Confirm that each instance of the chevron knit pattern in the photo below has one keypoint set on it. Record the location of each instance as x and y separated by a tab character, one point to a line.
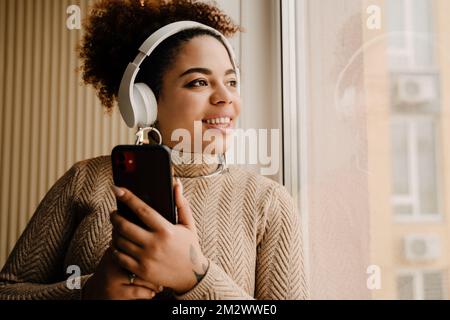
247	226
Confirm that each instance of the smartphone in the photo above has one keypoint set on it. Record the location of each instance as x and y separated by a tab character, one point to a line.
145	170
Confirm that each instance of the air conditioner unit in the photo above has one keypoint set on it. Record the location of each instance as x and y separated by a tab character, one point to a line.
415	89
421	247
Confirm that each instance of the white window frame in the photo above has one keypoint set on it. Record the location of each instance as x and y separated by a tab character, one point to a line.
413	197
295	94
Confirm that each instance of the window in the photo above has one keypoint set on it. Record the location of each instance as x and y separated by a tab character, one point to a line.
414	164
366	139
410	27
415	104
421	285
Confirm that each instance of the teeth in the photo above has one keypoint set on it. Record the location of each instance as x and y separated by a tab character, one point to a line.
218	121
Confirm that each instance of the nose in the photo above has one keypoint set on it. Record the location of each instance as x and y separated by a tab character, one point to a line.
221	95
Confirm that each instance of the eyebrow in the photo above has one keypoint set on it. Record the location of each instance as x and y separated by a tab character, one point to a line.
204	71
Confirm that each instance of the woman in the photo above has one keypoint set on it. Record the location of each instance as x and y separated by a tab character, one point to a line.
238	235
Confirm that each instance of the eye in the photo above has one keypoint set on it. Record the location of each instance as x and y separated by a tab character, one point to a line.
197	83
232	83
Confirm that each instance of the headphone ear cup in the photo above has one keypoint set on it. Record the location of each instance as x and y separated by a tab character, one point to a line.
146	105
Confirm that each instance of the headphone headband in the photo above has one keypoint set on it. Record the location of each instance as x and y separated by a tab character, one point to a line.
137	103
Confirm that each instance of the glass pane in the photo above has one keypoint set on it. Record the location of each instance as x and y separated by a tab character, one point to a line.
405	287
426	148
410	33
400	159
396	23
433	286
422	13
404	209
373	141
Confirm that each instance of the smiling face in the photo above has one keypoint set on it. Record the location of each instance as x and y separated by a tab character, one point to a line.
201	86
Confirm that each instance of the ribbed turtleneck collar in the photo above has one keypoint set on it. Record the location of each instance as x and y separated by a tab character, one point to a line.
191	164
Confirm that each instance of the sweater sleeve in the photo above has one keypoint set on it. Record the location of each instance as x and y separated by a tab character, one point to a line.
279	270
34	269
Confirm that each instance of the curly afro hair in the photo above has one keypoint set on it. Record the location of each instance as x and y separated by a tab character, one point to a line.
115	29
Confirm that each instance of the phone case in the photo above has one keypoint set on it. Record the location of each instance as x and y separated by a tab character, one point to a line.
145	170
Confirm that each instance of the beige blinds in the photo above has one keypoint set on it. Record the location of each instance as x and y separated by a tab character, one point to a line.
48	119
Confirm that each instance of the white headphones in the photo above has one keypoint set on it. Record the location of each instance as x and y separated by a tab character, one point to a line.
137	102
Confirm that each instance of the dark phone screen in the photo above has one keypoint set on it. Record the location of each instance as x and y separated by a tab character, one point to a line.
146	171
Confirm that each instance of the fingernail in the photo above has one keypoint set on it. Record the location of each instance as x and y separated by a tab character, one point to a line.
117	191
160	288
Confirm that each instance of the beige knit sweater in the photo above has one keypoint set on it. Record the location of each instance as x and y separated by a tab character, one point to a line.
247	226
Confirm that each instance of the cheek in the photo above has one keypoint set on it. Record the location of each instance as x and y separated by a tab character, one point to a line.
238	105
182	110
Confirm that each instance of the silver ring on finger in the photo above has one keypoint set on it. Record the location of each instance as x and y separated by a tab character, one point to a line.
131	278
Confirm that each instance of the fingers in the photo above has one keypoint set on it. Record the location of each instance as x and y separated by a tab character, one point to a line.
126	262
126	246
135	292
128	230
148	215
128	267
184	210
151	286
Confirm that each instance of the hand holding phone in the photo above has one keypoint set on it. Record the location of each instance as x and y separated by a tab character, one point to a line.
167	254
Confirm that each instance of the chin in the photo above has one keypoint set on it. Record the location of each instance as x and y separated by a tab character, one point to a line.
215	148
